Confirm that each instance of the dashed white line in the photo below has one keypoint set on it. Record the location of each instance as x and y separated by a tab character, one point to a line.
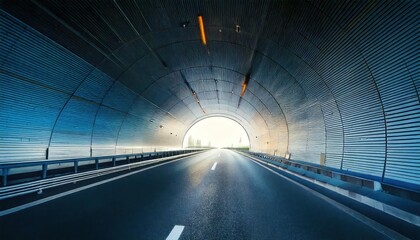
176	232
214	166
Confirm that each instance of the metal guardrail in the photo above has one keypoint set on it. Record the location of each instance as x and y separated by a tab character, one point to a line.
357	180
44	164
319	170
42	184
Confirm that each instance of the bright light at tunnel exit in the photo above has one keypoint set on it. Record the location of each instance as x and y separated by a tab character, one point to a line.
218	132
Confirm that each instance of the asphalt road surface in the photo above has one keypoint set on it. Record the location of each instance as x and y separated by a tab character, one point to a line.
217	194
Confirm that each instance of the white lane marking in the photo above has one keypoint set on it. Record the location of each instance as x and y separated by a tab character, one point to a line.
176	232
214	166
390	233
47	199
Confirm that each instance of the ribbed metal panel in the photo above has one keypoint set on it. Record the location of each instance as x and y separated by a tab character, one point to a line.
26	118
94	86
33	89
72	132
44	62
387	46
187	53
141	74
179	112
306	81
120	98
334	134
131	52
158	94
36	84
105	131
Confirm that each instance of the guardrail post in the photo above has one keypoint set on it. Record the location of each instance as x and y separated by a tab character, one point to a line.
44	171
5	173
96	164
76	163
113	161
128	159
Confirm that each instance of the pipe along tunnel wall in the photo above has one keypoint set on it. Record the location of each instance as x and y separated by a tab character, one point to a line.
335	79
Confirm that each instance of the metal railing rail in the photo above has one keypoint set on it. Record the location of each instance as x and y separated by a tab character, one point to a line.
44	164
337	174
40	185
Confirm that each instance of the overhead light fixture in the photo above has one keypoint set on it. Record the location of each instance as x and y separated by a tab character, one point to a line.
238	28
202	32
245	85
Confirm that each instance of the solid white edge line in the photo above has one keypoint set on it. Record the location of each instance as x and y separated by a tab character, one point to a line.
176	232
50	198
391	234
214	166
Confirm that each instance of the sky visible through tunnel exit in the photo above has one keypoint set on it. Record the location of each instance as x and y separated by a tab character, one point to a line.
216	132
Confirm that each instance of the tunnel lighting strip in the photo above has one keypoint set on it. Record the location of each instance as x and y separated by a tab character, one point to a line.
245	85
202	32
243	89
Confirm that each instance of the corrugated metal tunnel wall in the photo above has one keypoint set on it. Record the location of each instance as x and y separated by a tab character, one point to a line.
83	78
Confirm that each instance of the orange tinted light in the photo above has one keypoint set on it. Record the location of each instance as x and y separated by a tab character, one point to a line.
202	33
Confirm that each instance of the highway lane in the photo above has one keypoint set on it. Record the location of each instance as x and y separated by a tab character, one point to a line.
218	194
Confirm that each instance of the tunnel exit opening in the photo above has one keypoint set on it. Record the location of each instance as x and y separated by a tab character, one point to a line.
217	132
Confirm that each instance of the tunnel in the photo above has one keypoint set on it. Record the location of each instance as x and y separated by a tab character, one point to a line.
328	85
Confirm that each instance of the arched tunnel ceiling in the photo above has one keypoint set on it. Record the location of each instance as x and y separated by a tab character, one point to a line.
339	78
